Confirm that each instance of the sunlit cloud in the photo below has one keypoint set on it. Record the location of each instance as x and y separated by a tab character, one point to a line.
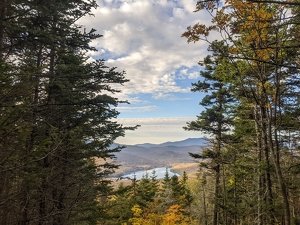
167	96
156	130
137	109
144	38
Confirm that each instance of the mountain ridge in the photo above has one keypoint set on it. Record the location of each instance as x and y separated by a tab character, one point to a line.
182	143
148	156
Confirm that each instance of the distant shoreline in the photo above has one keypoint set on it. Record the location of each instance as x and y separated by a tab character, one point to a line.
159	173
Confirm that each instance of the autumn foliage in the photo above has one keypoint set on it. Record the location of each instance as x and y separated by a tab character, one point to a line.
257	56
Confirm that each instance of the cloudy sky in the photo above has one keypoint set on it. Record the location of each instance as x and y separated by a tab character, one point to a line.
143	37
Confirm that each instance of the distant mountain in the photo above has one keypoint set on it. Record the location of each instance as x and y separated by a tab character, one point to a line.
149	155
187	142
146	145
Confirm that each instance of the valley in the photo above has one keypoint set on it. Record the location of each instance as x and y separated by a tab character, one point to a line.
174	155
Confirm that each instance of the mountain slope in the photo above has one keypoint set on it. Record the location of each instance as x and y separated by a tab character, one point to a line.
134	157
187	142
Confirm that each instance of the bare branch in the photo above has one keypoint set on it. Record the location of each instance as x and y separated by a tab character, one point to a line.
276	2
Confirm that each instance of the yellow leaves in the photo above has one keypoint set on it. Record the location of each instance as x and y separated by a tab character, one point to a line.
174	216
267	85
144	217
263	54
239	5
208	5
137	212
222	19
152	219
264	15
233	49
231	180
253	22
257	22
251	105
252	11
268	105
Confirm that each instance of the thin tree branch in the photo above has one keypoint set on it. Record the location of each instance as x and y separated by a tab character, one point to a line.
276	2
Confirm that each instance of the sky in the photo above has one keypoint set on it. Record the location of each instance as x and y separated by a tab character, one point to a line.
143	38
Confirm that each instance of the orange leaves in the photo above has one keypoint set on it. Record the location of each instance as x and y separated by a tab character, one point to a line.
137	218
255	23
210	5
137	211
173	216
200	31
257	19
246	24
222	19
195	33
144	217
239	6
248	27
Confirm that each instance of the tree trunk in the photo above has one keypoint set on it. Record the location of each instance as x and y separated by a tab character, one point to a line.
260	179
216	200
218	175
276	159
2	18
271	219
204	205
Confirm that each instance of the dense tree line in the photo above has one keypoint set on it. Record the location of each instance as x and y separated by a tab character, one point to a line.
152	201
251	110
56	115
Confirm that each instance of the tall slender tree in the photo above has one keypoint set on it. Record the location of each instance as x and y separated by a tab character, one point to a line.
214	120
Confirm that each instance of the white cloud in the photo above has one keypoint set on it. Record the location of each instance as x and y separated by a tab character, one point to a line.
156	130
161	95
193	75
137	109
168	80
167	96
144	38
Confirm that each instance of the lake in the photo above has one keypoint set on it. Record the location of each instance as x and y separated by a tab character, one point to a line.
159	172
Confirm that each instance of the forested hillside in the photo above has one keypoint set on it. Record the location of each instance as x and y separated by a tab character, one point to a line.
58	124
170	154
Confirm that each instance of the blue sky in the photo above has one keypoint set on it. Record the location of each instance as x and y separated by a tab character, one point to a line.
143	37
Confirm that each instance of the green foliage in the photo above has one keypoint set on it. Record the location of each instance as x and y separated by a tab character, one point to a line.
257	67
57	115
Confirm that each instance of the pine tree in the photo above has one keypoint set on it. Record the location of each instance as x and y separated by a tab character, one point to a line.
214	120
60	122
186	198
262	49
146	190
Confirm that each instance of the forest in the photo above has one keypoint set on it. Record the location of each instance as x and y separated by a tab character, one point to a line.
58	121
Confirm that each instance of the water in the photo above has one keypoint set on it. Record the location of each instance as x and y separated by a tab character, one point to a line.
159	173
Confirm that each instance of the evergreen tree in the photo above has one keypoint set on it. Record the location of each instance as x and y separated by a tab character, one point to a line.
186	198
118	209
214	120
146	190
174	191
262	50
58	116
